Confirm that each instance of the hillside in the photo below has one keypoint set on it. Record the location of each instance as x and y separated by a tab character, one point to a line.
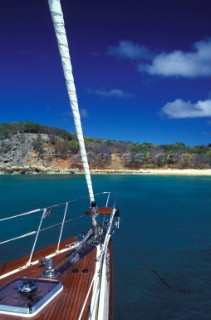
28	147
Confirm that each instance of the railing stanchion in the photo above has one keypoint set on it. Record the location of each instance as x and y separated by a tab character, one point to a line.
62	226
108	199
37	234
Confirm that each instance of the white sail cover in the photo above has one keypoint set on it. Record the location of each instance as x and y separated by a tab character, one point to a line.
58	21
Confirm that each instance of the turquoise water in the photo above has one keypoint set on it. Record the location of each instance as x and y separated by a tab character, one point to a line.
167	218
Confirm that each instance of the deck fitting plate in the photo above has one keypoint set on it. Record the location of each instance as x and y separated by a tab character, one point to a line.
27	304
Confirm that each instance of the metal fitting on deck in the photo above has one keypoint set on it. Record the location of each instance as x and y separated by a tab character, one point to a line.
50	269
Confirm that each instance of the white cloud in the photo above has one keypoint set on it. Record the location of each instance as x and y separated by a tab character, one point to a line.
129	50
177	63
84	113
113	93
182	64
180	109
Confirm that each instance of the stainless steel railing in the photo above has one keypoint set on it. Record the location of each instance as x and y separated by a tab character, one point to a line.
45	212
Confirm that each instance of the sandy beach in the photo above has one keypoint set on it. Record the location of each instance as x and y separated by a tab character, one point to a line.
179	172
185	172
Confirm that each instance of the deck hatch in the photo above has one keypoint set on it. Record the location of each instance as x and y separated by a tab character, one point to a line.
27	304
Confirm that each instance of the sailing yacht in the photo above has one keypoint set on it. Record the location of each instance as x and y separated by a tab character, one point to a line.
71	278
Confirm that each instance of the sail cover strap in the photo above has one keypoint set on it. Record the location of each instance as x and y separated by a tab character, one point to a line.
58	21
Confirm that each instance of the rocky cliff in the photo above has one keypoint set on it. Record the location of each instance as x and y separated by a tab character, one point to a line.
28	147
43	153
30	153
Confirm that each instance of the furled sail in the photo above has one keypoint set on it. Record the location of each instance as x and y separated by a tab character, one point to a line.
58	21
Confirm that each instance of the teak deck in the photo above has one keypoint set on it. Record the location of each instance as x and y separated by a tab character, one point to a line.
68	304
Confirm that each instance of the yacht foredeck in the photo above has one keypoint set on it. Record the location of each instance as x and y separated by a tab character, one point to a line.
77	281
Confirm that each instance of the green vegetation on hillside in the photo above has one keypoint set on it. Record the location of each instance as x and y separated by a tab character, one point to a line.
9	129
133	155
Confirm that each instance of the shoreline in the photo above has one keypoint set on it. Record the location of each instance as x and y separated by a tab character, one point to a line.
167	172
182	172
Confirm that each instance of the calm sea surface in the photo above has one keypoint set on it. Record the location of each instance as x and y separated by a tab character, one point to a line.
167	218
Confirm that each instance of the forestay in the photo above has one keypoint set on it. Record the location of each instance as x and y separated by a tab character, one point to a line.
58	21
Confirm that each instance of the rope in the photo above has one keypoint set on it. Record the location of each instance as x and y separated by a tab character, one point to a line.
58	22
149	266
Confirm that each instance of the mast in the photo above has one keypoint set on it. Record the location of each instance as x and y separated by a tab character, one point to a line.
58	21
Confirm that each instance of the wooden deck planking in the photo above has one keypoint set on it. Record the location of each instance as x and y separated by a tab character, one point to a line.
101	210
82	283
11	265
67	305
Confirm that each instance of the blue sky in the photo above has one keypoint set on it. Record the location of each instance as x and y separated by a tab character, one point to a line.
142	68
